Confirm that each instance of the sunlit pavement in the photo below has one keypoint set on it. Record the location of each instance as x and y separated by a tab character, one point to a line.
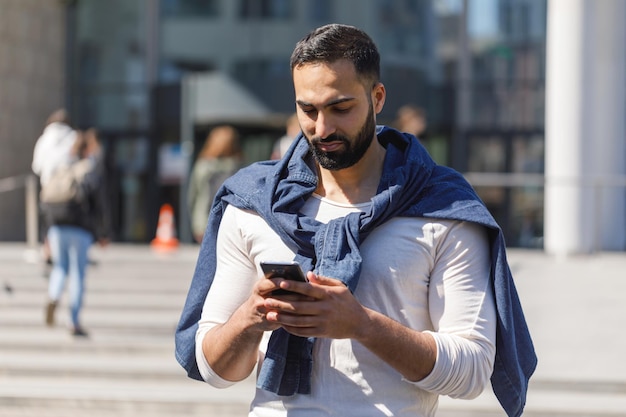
574	307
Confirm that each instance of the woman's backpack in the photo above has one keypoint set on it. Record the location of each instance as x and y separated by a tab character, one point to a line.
66	194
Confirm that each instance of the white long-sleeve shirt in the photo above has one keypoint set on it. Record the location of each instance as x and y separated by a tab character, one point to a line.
428	275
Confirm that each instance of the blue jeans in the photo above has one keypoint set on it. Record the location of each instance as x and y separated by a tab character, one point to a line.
69	246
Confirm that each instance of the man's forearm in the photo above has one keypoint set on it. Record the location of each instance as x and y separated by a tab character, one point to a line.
231	349
410	352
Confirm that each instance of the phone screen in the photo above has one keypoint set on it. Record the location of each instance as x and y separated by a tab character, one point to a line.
286	270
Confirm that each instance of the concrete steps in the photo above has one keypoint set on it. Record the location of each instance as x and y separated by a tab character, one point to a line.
127	366
134	298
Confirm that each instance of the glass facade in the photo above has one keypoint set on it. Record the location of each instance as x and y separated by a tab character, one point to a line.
266	9
476	67
189	8
505	109
109	86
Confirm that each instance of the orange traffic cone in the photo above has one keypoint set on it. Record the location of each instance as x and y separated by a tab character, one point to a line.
165	239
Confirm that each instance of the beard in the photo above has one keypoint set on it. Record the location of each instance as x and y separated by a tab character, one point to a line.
352	150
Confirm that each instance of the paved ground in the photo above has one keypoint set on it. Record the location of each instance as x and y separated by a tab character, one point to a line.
575	308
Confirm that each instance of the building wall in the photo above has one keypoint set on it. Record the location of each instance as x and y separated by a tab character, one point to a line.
120	52
32	39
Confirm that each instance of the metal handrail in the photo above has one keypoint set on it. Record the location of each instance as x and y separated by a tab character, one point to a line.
502	179
30	183
515	179
600	185
12	183
477	179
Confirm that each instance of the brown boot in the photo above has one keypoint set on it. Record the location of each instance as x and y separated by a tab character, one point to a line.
50	308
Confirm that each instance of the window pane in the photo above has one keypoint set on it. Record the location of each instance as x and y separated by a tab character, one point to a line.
265	9
188	8
319	10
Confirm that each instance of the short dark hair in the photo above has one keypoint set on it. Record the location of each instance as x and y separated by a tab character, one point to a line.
333	42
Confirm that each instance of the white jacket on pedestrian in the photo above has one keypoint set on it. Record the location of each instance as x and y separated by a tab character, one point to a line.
53	149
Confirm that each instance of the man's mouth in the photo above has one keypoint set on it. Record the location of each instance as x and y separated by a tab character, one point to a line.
329	146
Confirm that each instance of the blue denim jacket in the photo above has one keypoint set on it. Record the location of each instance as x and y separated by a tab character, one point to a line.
411	185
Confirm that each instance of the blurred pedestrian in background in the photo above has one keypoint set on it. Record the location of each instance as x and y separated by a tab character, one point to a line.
52	150
411	119
292	129
218	159
95	151
75	205
53	147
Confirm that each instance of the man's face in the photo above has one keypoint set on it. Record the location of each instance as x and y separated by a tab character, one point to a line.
351	149
336	113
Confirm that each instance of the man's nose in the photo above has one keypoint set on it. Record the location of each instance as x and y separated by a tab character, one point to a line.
324	126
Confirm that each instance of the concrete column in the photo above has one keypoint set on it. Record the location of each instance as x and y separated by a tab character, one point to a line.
609	121
585	134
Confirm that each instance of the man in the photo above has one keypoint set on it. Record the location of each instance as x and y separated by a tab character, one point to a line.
411	119
409	296
292	130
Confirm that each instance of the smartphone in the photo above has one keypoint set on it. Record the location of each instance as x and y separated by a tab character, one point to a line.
287	270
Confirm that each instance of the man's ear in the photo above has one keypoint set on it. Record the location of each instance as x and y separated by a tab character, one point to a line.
378	97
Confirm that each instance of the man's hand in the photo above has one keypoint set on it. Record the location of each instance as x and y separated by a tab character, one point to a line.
323	307
251	315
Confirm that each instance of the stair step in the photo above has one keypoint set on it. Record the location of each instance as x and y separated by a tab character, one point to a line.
120	397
